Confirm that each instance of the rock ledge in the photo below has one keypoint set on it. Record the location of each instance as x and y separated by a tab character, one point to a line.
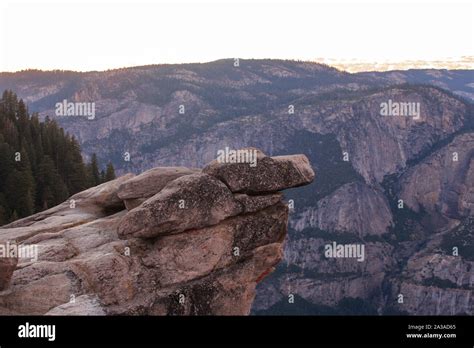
171	241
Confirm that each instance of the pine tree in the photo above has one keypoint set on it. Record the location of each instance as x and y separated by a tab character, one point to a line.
52	189
50	169
110	172
4	213
77	174
20	185
94	174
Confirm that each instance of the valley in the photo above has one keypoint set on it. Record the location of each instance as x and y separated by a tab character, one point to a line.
365	163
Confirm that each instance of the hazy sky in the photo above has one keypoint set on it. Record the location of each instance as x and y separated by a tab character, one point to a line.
101	34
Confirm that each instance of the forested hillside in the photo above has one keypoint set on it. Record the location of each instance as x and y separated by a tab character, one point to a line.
40	164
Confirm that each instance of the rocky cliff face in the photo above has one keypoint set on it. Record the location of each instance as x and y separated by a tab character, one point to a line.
444	182
171	241
366	164
417	230
359	209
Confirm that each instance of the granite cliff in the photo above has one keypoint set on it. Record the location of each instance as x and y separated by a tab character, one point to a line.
181	115
170	241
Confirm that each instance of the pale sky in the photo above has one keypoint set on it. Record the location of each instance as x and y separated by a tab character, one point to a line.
103	34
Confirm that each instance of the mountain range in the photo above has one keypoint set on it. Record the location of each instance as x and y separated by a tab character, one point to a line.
399	185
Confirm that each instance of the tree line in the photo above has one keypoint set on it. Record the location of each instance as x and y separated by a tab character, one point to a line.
41	165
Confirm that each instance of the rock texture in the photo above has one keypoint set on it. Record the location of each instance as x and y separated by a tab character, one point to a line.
435	284
335	114
270	173
137	190
354	208
419	257
7	266
444	182
193	247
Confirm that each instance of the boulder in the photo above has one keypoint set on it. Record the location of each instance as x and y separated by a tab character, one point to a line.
83	305
191	248
251	204
270	174
197	253
191	201
136	190
7	266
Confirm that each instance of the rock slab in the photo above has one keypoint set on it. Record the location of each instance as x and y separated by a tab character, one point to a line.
194	243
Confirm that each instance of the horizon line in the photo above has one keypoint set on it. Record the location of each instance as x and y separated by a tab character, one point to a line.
343	65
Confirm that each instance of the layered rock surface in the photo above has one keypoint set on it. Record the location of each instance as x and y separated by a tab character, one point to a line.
172	241
444	182
419	258
354	207
248	106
